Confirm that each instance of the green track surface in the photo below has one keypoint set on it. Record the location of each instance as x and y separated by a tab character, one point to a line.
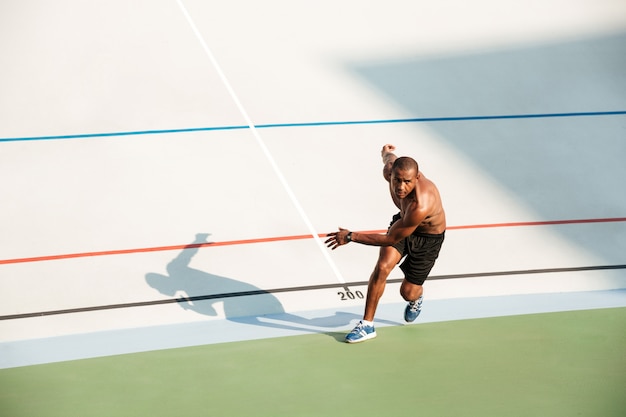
558	364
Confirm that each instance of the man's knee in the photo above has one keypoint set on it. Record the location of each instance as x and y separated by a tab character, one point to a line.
384	267
387	260
410	291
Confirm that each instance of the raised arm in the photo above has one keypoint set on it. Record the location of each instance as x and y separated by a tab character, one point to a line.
388	159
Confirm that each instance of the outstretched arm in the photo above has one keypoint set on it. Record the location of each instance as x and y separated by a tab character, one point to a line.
399	230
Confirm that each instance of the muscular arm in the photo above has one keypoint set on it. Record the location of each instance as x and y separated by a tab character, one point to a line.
400	229
388	159
397	232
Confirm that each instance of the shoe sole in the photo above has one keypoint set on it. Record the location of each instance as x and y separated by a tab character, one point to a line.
363	339
411	321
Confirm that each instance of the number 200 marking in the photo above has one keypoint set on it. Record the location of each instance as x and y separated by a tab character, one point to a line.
349	295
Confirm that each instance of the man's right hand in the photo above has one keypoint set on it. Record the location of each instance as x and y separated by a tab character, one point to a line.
388	155
387	149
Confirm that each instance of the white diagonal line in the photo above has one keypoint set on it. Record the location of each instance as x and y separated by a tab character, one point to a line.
259	140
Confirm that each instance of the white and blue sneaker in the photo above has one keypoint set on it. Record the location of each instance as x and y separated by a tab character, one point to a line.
413	309
361	333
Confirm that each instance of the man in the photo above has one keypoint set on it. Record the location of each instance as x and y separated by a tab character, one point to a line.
416	232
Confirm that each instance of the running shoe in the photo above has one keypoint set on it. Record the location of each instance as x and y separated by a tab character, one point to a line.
361	333
413	309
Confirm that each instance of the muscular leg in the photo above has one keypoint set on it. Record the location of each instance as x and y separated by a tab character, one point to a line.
388	258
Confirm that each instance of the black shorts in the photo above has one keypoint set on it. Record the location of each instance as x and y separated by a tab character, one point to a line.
421	251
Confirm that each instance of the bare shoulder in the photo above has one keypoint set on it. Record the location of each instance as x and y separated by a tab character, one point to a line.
427	187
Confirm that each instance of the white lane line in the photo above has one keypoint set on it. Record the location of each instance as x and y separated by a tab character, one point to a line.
264	148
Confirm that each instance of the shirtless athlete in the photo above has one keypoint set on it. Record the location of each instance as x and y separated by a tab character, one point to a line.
416	232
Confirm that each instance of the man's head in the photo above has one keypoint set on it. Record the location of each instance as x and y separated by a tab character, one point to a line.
404	175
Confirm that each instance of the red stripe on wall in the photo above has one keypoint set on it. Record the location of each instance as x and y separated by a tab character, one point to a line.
284	238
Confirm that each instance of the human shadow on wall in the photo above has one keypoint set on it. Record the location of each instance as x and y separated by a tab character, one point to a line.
201	291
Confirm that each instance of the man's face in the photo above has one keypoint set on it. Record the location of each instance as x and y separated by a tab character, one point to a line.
403	182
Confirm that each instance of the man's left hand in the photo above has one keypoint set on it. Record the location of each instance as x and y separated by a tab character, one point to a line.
337	239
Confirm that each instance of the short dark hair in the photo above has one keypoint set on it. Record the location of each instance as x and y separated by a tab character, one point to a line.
405	163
